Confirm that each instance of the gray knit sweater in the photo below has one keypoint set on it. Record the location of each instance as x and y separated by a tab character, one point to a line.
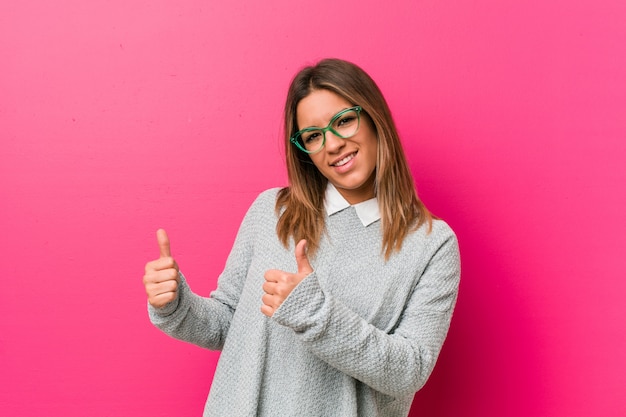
357	337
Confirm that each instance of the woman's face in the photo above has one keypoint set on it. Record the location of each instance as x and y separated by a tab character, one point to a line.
349	164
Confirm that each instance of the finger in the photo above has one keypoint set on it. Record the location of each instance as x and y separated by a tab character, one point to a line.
270	304
158	288
269	287
267	310
273	275
160	294
166	287
162	300
269	300
160	264
304	267
164	244
161	276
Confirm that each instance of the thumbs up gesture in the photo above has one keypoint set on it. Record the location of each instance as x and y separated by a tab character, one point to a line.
161	278
279	284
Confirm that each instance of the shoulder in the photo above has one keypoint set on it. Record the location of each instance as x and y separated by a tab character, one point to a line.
434	237
441	229
444	245
435	249
267	197
264	203
261	213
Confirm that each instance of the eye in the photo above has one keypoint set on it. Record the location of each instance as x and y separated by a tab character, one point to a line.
346	120
311	137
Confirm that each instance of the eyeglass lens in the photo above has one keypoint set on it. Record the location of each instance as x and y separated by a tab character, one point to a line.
344	125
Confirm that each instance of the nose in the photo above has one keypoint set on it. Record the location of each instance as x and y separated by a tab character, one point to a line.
333	143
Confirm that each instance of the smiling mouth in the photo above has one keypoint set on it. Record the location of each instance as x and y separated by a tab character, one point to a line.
345	160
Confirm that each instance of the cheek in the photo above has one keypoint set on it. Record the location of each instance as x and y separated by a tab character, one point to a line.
370	140
372	149
317	160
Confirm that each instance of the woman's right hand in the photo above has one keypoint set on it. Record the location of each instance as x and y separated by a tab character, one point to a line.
161	278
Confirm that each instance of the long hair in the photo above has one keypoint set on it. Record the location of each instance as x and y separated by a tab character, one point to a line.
301	204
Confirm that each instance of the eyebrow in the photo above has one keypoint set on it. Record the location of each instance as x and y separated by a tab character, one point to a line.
329	120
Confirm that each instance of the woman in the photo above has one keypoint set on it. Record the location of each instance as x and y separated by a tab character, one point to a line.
355	280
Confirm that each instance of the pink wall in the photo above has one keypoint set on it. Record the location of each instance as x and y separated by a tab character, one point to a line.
119	117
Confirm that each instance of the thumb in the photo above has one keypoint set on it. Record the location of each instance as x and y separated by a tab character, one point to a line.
304	267
164	244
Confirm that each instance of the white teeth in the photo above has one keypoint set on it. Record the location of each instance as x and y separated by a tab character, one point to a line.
344	160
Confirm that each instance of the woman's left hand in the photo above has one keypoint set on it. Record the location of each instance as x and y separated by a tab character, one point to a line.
279	284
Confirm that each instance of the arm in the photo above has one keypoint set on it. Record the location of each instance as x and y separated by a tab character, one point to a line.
205	321
396	363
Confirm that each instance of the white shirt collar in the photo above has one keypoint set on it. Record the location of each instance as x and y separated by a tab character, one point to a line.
367	210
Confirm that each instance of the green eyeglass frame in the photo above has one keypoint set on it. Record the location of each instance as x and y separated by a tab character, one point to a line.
296	138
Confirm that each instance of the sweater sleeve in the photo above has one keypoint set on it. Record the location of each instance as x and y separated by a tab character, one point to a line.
205	321
397	363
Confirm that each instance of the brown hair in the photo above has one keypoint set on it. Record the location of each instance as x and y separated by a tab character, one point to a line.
301	205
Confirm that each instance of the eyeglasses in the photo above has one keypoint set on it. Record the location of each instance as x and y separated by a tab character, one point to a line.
344	124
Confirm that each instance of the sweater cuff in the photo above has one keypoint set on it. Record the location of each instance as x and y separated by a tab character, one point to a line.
305	310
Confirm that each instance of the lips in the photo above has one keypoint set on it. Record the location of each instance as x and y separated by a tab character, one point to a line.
344	160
